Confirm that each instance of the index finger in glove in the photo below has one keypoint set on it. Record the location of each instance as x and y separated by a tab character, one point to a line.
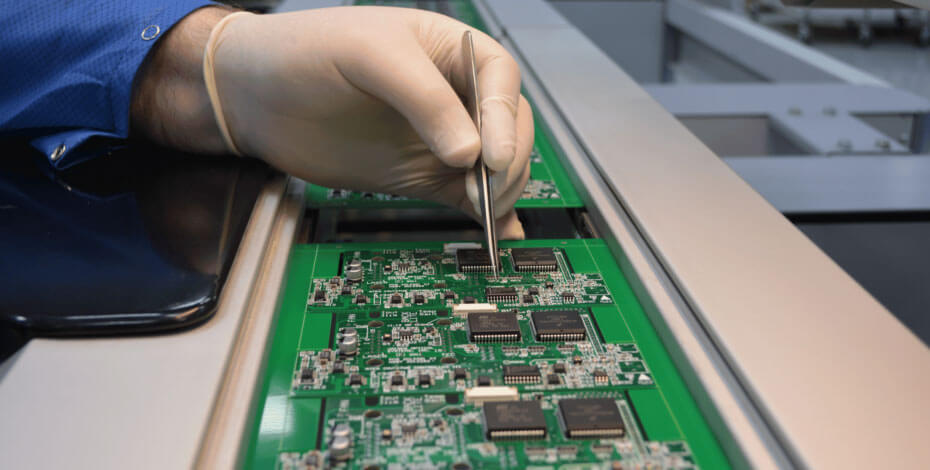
403	75
498	89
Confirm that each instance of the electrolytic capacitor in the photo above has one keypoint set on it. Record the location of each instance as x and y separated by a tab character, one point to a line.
342	430
348	345
348	331
354	271
340	448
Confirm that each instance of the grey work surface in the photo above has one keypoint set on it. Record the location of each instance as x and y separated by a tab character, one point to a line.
891	259
780	309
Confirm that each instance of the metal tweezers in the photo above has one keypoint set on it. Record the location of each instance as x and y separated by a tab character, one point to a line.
482	174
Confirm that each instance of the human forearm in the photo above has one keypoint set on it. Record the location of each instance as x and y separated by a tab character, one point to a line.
170	104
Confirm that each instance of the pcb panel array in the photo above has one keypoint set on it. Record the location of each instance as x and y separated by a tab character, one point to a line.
549	374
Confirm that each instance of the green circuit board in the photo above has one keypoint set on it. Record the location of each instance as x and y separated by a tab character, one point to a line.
413	355
548	185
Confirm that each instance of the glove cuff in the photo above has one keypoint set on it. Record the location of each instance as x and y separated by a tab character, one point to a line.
209	78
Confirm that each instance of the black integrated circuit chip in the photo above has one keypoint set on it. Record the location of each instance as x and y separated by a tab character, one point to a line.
500	294
590	418
473	261
533	259
493	327
514	420
306	375
558	325
521	374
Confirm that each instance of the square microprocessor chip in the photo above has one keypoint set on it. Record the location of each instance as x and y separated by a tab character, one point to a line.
521	374
558	325
590	418
533	259
514	420
493	327
473	261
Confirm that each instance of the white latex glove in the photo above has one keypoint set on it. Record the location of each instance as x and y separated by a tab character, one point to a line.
367	98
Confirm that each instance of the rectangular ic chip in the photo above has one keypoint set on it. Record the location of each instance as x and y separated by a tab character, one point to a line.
493	327
501	294
521	374
558	325
473	261
533	259
591	418
514	420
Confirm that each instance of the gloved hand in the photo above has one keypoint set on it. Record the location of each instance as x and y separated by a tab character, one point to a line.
367	98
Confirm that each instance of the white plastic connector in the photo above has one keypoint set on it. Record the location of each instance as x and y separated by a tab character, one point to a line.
479	395
451	248
462	310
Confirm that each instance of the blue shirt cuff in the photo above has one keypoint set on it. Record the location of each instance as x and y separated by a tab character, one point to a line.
142	31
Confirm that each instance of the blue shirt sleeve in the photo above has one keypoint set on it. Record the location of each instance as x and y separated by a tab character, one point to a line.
69	68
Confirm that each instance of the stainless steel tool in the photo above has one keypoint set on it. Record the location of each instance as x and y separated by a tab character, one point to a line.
482	174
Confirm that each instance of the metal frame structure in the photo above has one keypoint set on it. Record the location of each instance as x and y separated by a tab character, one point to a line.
838	154
767	53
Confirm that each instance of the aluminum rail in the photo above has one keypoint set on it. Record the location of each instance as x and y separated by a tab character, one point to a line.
230	422
822	362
